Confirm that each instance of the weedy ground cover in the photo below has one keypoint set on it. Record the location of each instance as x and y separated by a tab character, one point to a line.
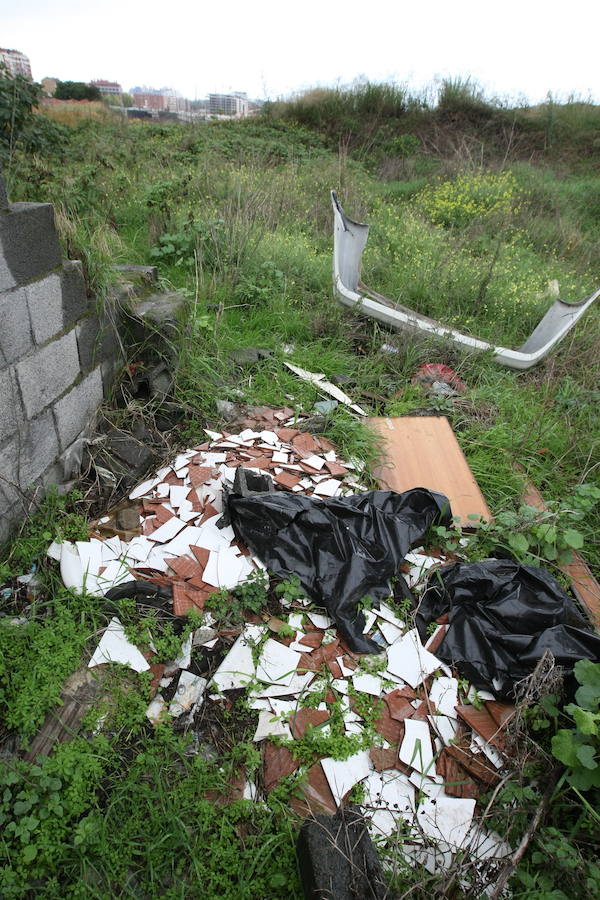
474	208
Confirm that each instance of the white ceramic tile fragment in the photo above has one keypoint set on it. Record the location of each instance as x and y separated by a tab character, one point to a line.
444	694
446	819
184	659
270	726
190	689
319	620
277	663
329	488
167	530
144	488
368	684
445	726
408	659
416	749
54	551
156	709
295	688
342	775
115	647
237	669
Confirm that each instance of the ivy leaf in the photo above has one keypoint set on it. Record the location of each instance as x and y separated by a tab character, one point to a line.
585	755
518	543
563	747
29	853
573	539
586	721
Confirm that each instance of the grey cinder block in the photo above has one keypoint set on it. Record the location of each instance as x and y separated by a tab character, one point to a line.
48	372
75	299
29	244
15	327
39	447
75	409
45	307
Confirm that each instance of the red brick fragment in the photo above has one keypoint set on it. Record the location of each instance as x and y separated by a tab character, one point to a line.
399	707
482	722
390	729
278	762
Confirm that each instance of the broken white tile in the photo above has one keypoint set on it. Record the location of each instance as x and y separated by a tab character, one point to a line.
368	684
390	632
483	844
340	685
370	617
270	726
444	693
408	659
342	775
259	703
156	709
345	670
230	567
385	612
277	663
237	669
163	490
178	494
167	530
183	660
329	488
494	756
330	456
190	689
115	573
321	383
416	749
295	621
445	726
269	437
250	791
319	620
139	548
297	685
144	488
433	636
474	695
446	819
428	786
213	435
54	551
211	570
280	457
115	647
314	462
352	727
90	554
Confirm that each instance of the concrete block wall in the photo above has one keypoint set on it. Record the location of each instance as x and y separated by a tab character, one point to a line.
56	357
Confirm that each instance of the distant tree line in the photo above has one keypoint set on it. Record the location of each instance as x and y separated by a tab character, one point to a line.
76	90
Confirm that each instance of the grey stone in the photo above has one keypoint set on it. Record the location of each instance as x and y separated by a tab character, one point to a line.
97	341
248	355
11	410
10	496
15	326
74	295
39	448
74	411
29	244
45	307
128	519
337	859
47	373
131	451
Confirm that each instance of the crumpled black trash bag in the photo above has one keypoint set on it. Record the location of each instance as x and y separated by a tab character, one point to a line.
503	616
341	549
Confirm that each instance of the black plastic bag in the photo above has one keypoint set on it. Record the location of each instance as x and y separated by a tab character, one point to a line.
502	617
341	549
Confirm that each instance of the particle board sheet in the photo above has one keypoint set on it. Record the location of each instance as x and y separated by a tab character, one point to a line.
422	451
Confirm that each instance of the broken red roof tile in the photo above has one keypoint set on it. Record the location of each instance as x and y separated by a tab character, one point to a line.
173	480
387	758
183	566
457	782
434	644
390	729
444	619
325	444
335	468
150	525
287	480
278	762
399	707
316	795
301	720
482	722
209	512
201	554
482	771
262	462
306	663
501	713
424	709
334	668
185	598
163	514
287	434
312	640
230	792
305	443
157	670
199	475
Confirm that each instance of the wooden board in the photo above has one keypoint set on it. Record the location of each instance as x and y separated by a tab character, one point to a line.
584	585
422	451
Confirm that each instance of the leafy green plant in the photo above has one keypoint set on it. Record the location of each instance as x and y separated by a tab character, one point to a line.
578	747
290	589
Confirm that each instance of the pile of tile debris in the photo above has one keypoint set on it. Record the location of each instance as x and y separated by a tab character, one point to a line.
439	743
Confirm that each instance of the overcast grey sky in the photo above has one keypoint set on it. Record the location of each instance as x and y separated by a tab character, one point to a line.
271	48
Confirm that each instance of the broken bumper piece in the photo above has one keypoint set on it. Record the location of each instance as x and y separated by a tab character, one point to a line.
349	240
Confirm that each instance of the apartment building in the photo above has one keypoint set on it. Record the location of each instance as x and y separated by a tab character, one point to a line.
16	62
235	104
107	87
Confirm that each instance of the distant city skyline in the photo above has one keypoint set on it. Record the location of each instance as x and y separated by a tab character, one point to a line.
516	50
